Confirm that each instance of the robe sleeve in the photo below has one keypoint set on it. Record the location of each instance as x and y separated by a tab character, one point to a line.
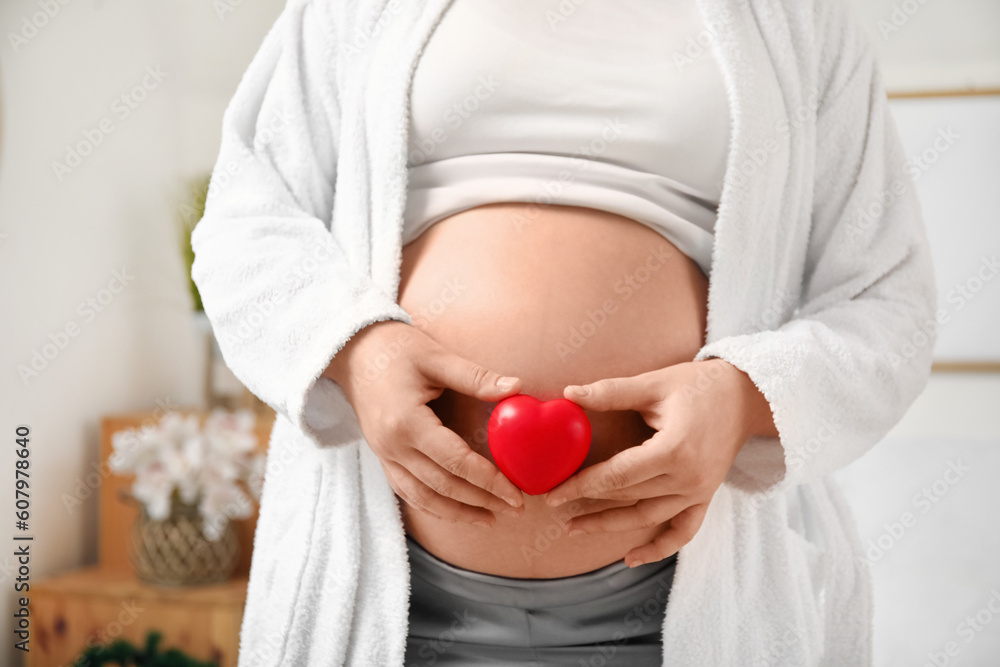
857	352
283	296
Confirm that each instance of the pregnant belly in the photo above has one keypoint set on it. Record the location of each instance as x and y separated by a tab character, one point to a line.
555	295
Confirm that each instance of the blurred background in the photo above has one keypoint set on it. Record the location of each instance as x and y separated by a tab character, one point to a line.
111	114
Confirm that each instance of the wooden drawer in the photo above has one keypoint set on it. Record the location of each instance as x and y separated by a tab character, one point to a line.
97	606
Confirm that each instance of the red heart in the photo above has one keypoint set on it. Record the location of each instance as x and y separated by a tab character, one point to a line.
538	444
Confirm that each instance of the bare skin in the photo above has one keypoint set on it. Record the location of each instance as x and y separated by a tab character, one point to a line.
552	298
506	291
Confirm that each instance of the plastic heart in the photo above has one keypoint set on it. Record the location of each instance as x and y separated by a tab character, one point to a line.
538	444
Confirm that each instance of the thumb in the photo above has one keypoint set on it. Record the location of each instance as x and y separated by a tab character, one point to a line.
469	378
623	393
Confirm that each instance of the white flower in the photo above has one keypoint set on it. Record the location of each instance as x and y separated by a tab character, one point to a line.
153	487
255	477
221	502
205	466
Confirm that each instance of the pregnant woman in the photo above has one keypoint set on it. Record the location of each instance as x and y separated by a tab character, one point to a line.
674	215
605	279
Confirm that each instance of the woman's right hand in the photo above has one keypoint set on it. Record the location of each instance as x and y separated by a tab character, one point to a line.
389	371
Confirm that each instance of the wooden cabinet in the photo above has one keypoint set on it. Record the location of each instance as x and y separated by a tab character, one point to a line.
99	604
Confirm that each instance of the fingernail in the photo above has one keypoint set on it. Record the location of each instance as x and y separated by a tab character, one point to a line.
510	501
635	562
578	390
554	502
481	523
506	383
577	531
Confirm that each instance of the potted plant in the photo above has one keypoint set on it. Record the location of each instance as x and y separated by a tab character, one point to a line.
190	212
191	480
222	388
122	652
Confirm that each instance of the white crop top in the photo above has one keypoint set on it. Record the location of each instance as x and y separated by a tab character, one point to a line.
617	106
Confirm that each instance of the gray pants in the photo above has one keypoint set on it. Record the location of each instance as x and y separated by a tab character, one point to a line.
610	616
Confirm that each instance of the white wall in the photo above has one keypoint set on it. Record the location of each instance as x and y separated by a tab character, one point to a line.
941	567
62	241
935	44
931	535
952	146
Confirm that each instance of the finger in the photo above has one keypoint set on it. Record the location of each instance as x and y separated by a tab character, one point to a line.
466	377
424	498
448	450
661	485
682	530
448	485
627	468
621	393
395	488
645	513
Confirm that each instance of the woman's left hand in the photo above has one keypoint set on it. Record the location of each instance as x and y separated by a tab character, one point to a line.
703	413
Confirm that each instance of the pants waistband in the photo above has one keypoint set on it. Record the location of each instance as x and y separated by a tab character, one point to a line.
614	579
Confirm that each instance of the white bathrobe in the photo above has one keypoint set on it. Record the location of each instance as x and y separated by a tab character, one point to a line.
822	290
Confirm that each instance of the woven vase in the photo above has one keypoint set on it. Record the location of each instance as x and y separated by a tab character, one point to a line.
174	552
